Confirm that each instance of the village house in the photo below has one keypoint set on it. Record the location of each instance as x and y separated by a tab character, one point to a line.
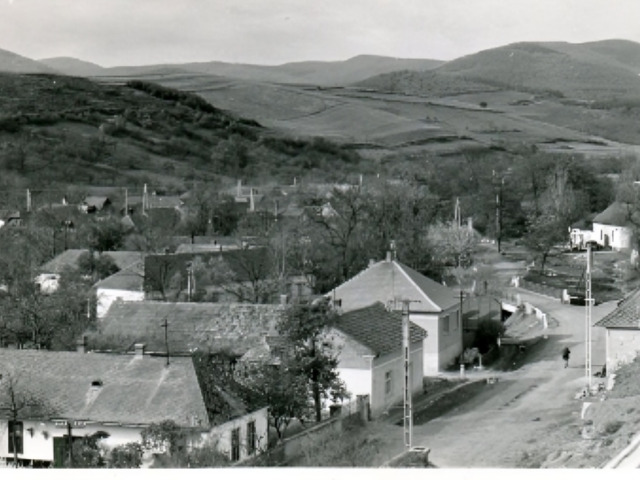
433	307
48	280
205	327
10	218
78	394
613	227
622	332
126	285
95	203
371	359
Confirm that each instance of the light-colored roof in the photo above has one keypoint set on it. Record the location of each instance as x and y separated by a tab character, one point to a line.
67	259
130	278
385	281
96	201
377	328
626	315
158	201
136	391
208	327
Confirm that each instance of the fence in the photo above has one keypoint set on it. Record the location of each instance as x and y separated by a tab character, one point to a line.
304	441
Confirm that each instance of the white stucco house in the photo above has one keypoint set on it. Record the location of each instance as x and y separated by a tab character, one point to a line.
68	395
613	227
434	307
126	285
371	359
622	332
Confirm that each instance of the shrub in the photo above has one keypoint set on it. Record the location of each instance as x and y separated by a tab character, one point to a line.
613	426
487	333
126	456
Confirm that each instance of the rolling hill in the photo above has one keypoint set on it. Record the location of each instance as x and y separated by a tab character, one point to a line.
72	66
313	73
14	63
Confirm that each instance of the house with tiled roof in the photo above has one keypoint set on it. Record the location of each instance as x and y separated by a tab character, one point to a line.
94	203
371	360
125	285
613	227
433	307
205	327
49	277
622	331
69	395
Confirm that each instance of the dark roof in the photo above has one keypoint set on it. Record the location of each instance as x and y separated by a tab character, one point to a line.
377	328
134	390
626	315
618	214
208	327
124	258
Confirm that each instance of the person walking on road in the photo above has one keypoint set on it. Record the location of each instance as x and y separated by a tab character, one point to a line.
565	356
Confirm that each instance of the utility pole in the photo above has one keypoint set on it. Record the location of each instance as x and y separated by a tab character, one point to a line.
70	443
406	348
165	325
588	305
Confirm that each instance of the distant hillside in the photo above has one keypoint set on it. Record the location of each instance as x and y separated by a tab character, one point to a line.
14	63
314	73
72	66
577	71
68	129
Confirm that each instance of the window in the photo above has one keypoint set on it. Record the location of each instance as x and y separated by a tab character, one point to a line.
235	444
445	324
15	435
251	437
387	383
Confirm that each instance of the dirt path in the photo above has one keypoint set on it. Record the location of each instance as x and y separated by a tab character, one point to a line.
518	422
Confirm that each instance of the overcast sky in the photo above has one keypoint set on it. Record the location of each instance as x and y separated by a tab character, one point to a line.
137	32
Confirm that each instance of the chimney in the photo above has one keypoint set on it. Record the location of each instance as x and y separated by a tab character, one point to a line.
283	299
371	262
388	259
252	205
81	345
239	189
470	223
139	349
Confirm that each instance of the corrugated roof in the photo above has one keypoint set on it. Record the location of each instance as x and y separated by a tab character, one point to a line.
626	315
377	328
207	327
157	201
133	391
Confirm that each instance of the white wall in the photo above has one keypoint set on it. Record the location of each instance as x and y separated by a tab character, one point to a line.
107	296
623	345
358	381
380	400
221	435
39	446
619	237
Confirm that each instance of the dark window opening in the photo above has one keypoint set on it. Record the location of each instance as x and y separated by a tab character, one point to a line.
251	437
235	444
16	432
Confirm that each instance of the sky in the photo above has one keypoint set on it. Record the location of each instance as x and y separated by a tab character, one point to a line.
271	32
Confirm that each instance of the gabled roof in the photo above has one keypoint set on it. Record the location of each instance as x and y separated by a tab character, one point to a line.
377	328
208	327
626	315
67	259
133	390
97	202
130	278
388	280
617	214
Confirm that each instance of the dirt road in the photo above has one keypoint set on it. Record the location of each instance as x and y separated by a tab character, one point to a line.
515	422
